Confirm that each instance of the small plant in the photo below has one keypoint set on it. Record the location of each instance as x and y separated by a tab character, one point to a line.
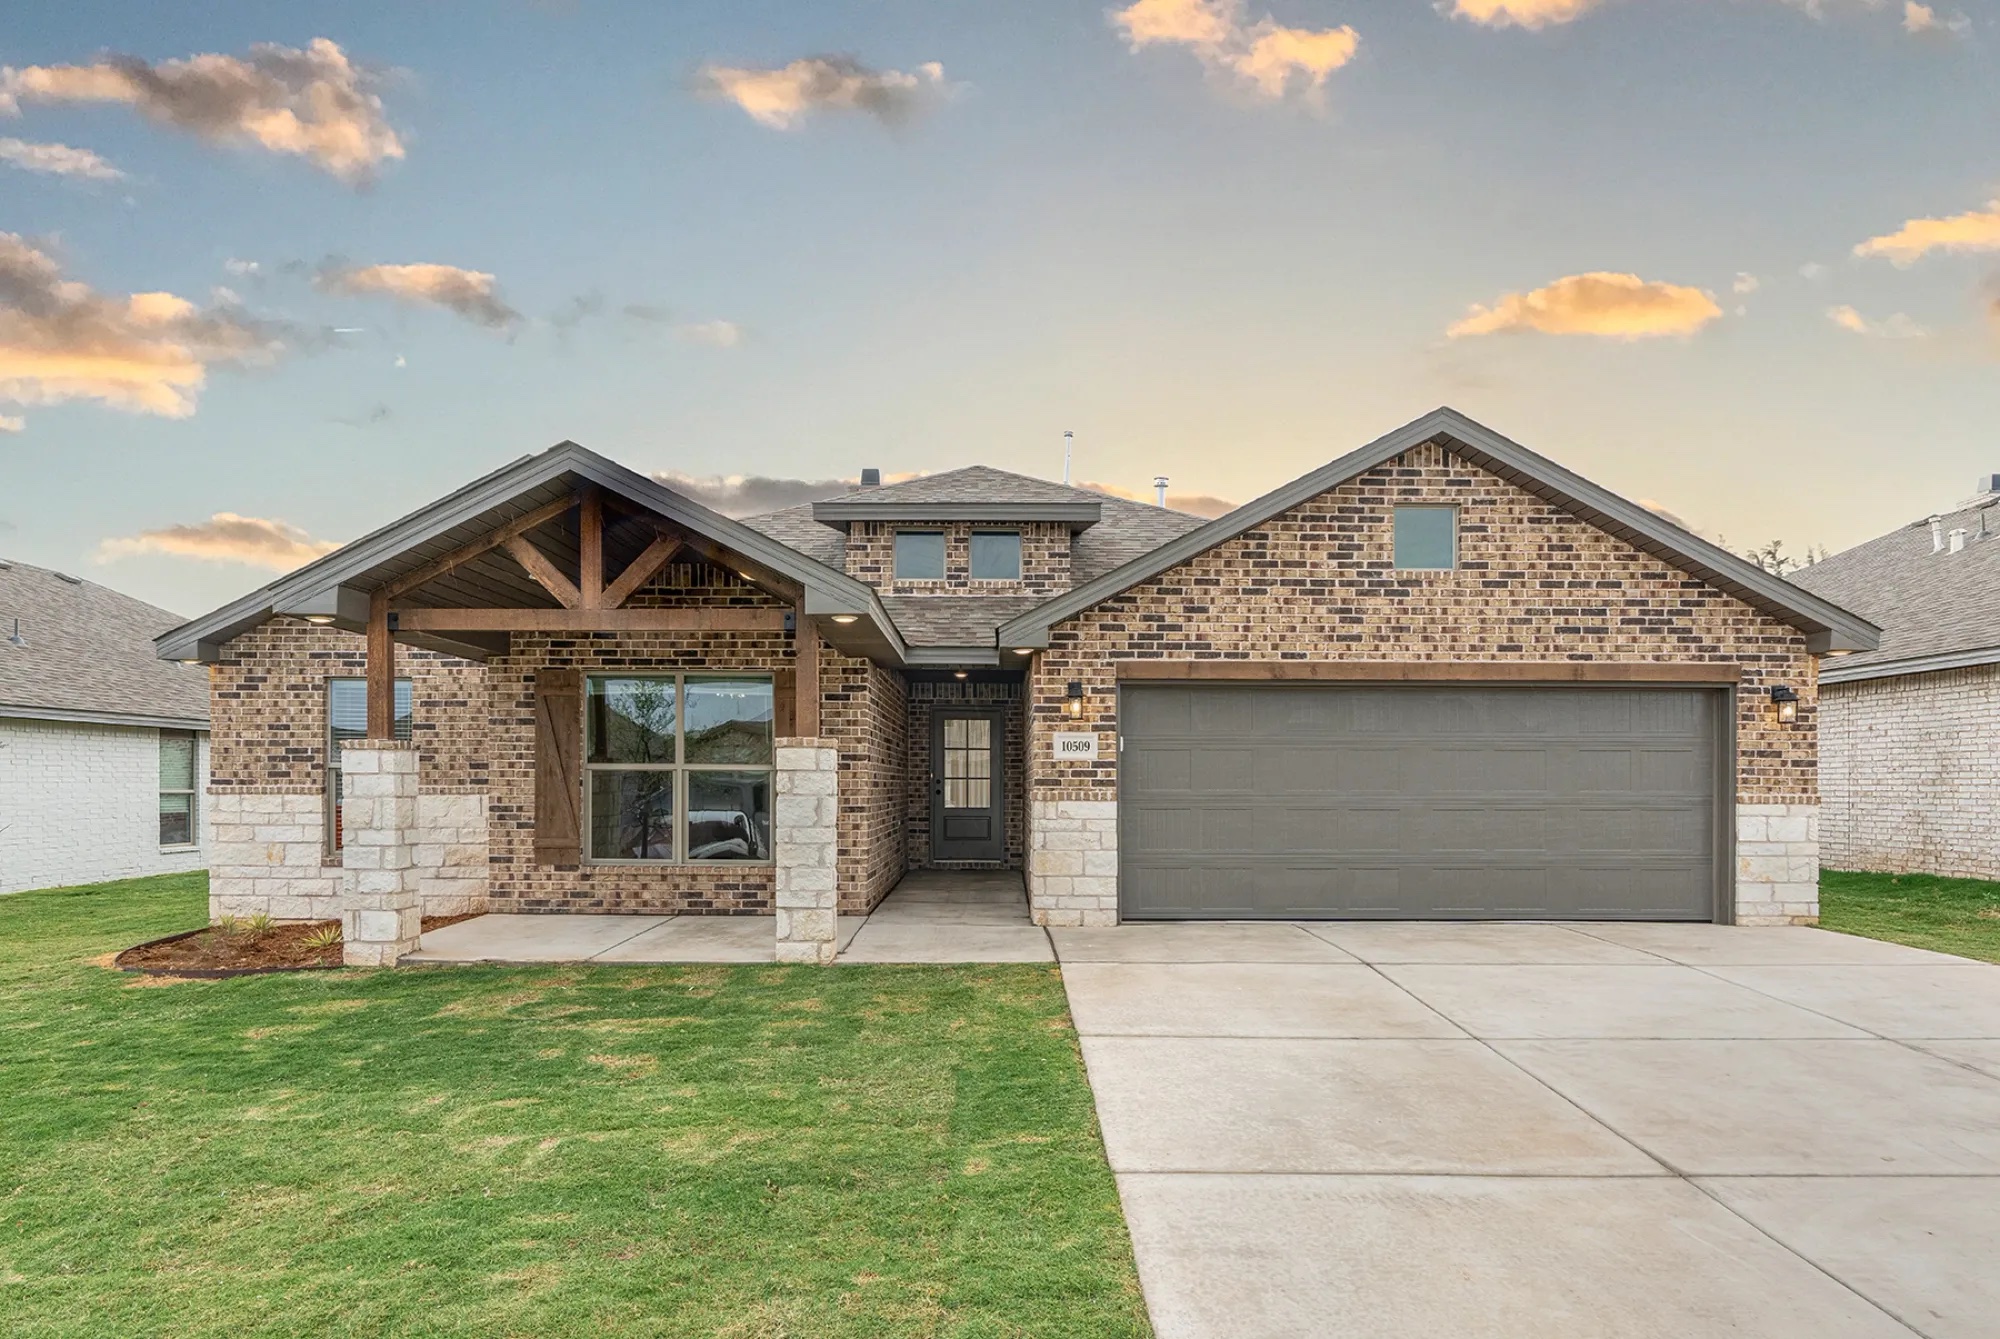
261	923
324	937
228	925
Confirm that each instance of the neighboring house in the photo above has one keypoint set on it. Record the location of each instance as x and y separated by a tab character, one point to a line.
1440	677
1908	767
103	748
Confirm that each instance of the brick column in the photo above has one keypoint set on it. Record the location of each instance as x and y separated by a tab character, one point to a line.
806	816
380	919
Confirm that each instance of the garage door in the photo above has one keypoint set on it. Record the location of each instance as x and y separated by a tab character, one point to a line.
1436	802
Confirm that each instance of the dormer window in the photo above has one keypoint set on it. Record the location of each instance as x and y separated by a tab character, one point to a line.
920	555
996	555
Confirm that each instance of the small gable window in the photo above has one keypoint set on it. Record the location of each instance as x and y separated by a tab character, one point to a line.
996	555
1426	539
919	555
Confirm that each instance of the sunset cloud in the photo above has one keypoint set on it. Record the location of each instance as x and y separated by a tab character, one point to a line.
1898	326
225	538
469	293
1609	306
12	423
148	353
1196	504
754	494
1974	230
313	103
783	98
57	160
1266	56
1923	21
718	334
1522	13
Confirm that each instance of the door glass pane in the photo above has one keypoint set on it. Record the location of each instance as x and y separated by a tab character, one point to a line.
968	762
729	815
996	555
176	820
729	720
176	760
919	555
954	733
631	720
632	815
978	733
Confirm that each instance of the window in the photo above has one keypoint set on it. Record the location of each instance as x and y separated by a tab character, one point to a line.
178	756
678	767
996	555
1426	538
919	555
347	718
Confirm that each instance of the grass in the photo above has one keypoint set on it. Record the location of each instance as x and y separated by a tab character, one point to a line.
752	1152
1959	916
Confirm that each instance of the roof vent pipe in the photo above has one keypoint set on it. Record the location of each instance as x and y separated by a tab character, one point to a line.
1937	534
1958	538
17	639
1159	490
871	478
1069	440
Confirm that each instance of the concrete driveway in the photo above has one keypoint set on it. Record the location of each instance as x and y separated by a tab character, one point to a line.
1549	1131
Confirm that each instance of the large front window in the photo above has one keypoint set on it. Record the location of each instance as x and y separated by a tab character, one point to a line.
678	767
347	718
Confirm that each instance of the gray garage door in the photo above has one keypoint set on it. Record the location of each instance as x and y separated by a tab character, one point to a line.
1438	802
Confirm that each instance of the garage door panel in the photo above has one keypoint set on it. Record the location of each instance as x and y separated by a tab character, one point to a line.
1448	802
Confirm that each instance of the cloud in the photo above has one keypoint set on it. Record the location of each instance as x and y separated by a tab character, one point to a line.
1197	504
754	494
1522	13
56	160
1611	306
1974	230
314	103
470	293
242	269
225	538
1812	271
1745	283
1898	326
13	423
1923	21
145	354
1666	514
785	97
719	334
1265	56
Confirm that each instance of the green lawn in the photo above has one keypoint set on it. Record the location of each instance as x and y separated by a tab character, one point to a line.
1959	916
747	1151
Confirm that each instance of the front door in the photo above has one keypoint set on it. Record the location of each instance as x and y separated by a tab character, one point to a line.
967	809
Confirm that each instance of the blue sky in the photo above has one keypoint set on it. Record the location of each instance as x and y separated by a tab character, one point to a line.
1068	231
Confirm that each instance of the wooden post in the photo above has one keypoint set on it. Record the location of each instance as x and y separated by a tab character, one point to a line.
590	547
381	669
805	645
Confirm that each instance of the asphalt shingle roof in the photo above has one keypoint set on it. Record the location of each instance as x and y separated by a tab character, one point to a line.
1126	531
89	651
1926	603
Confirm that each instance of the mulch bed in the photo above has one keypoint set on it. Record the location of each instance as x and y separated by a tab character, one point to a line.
209	953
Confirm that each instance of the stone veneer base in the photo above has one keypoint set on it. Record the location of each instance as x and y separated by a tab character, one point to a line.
1073	862
805	840
1777	864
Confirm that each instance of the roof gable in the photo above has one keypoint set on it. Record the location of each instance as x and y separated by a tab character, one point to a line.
1827	626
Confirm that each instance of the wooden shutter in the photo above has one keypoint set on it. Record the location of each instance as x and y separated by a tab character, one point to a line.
558	766
784	702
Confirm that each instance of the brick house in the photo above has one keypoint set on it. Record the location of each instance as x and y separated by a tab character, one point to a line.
1908	773
102	747
1440	677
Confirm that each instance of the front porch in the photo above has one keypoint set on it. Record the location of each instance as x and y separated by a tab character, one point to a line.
932	916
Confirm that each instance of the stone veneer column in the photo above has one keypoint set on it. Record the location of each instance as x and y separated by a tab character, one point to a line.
1073	862
805	811
1777	864
380	918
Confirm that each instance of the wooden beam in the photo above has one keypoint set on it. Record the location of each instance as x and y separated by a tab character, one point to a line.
711	552
640	570
590	547
1430	671
520	525
591	620
805	642
546	573
381	677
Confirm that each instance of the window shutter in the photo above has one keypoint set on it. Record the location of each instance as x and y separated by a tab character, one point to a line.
558	766
784	702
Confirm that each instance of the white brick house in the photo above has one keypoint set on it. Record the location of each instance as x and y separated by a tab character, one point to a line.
103	747
1909	769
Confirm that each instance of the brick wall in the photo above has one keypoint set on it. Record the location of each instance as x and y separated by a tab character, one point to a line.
1908	774
81	803
871	557
1534	582
925	698
863	710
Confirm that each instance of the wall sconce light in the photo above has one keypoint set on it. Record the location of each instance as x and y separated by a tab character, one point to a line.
1074	694
321	619
1786	699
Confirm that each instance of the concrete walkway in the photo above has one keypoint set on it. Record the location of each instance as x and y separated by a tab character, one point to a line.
1549	1131
931	916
